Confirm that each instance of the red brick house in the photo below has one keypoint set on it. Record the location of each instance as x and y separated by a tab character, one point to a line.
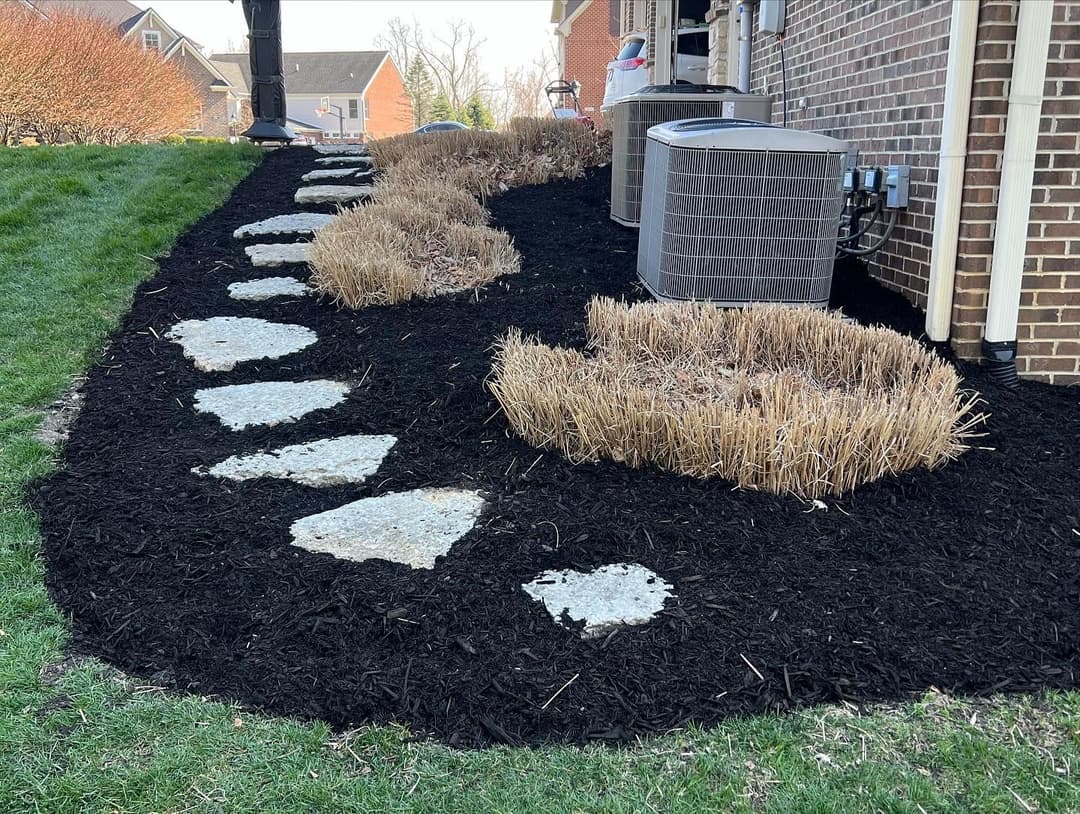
588	39
875	73
366	85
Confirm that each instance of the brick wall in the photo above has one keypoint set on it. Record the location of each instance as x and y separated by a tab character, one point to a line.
214	115
718	17
389	109
588	49
872	72
1048	332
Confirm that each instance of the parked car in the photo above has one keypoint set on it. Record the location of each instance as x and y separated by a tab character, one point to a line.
436	127
629	71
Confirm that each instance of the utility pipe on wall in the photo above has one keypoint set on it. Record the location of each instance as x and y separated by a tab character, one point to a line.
1014	195
746	43
951	159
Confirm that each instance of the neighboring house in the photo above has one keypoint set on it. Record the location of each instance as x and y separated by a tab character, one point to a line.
224	106
588	39
365	85
873	73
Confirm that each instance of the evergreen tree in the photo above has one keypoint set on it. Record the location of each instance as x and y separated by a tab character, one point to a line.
475	114
442	110
421	90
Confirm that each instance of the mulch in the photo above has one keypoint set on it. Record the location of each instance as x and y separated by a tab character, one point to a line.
965	578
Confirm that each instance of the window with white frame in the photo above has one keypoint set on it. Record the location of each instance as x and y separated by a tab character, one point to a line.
354	108
151	40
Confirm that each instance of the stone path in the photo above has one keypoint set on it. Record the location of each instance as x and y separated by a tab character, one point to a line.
332	193
219	343
342	172
277	254
413	528
362	160
268	288
296	223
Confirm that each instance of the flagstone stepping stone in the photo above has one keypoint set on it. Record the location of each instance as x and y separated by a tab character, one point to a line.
346	159
267	288
219	343
605	598
328	462
412	528
319	175
331	193
296	223
341	149
277	254
268	403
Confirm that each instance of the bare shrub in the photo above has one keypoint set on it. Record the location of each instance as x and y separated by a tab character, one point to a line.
772	398
72	78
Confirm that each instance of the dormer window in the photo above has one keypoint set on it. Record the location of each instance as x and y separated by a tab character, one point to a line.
151	40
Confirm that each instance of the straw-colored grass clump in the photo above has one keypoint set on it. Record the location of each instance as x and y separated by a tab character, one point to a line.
772	398
528	151
390	252
425	233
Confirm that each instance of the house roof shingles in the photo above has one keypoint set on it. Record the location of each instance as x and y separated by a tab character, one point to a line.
119	13
319	72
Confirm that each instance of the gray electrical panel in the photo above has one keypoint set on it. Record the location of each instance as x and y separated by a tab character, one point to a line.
771	15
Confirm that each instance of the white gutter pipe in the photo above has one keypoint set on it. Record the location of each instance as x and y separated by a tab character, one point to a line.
1014	194
951	159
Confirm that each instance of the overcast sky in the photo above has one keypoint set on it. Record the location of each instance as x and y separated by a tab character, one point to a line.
515	31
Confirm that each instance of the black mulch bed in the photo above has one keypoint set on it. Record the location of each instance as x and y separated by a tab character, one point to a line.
964	578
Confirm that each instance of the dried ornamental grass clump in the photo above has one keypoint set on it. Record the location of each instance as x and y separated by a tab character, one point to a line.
401	246
425	233
772	398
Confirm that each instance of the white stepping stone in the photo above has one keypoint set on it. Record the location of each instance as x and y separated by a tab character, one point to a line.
277	254
219	343
346	159
412	528
267	288
341	149
296	223
268	403
319	175
604	598
328	462
332	193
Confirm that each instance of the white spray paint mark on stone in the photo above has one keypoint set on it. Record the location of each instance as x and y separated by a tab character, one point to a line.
269	403
219	343
604	598
412	528
276	254
330	193
296	223
267	288
341	149
327	462
362	160
319	175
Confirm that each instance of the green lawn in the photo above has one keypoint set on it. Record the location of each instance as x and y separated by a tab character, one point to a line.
77	227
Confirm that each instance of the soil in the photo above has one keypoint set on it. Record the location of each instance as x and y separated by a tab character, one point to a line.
965	578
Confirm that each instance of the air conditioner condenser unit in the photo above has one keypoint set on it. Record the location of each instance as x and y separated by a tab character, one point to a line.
737	212
632	116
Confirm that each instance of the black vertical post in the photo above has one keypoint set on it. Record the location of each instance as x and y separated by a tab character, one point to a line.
267	78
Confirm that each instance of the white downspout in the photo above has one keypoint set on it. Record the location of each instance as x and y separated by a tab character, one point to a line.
950	179
1014	195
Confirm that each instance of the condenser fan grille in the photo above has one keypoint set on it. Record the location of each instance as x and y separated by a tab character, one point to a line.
740	226
630	123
